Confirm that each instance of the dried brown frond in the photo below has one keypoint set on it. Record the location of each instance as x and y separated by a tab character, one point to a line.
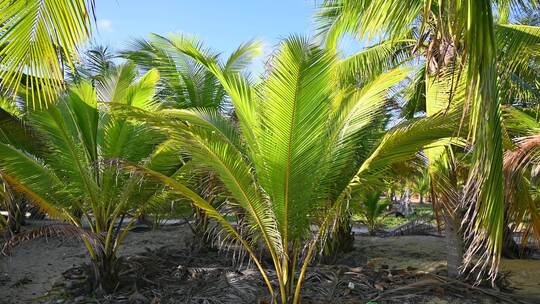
519	167
54	230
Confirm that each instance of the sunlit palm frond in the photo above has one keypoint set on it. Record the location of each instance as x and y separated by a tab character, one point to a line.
216	148
517	59
113	88
391	19
519	123
358	124
294	111
374	60
184	82
243	56
32	177
121	136
484	189
236	85
38	38
404	140
415	95
66	152
508	10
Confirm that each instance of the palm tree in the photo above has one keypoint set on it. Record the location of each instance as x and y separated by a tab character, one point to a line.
185	82
76	178
96	63
421	186
456	47
39	37
372	211
306	138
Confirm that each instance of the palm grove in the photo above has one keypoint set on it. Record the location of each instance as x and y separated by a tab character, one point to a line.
448	88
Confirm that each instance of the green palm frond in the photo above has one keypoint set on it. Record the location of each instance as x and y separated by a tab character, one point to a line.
404	140
120	136
513	9
357	127
484	189
213	142
238	88
32	177
367	18
217	150
83	104
114	87
517	45
37	38
13	129
374	60
519	123
166	158
518	59
184	81
415	95
242	56
294	115
67	154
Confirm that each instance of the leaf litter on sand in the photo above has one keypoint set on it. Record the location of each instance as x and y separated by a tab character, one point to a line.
168	275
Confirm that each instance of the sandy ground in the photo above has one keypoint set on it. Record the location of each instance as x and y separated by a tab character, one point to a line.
34	266
429	253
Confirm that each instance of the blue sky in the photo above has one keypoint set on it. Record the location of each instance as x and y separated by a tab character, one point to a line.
223	25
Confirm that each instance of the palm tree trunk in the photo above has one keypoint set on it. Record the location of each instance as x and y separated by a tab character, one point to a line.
15	213
454	244
342	240
105	273
510	248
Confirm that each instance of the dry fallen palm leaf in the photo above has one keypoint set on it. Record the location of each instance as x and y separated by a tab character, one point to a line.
54	230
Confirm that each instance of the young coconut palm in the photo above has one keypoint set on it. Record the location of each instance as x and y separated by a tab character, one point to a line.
372	211
76	178
297	153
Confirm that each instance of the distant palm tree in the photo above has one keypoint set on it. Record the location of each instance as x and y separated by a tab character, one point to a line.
96	63
38	38
372	211
185	82
421	186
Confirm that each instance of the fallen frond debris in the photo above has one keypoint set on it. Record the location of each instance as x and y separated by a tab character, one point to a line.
170	275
